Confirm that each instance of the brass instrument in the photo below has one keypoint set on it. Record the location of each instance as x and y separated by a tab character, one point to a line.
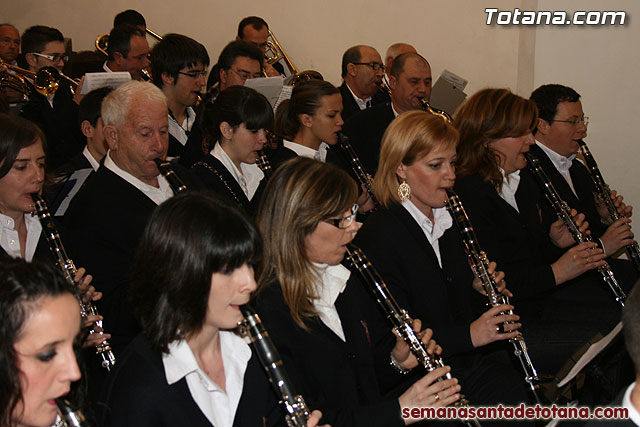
399	318
68	269
297	412
102	41
176	184
274	52
356	165
633	251
46	80
562	210
70	416
480	265
435	111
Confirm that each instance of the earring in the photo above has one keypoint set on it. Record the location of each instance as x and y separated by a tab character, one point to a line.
404	191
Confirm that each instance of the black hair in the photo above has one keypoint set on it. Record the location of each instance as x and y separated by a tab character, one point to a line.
239	48
173	53
547	98
16	133
90	105
120	39
188	238
130	17
23	284
350	56
235	105
255	21
34	39
306	98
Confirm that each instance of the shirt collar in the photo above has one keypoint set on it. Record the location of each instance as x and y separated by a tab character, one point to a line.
332	281
634	415
248	177
304	151
142	186
362	103
561	162
93	162
442	221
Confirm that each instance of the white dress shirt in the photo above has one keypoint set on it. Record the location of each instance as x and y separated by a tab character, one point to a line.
217	405
561	163
442	221
304	151
179	130
331	282
509	187
362	103
158	195
95	164
10	241
250	176
634	415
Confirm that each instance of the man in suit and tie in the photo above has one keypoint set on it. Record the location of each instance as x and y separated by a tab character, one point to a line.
410	81
362	71
107	217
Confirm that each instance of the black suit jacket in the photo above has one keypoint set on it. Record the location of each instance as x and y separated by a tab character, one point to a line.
349	105
582	200
334	376
105	222
365	130
136	393
59	124
440	297
516	240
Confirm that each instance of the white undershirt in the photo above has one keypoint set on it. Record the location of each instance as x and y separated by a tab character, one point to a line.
10	241
250	176
362	103
158	195
442	221
303	151
331	282
217	405
509	187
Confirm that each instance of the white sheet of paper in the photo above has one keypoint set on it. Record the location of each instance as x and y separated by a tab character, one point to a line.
97	80
270	87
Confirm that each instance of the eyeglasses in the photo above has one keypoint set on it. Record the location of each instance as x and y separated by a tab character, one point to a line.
193	74
375	65
53	58
574	122
345	221
243	74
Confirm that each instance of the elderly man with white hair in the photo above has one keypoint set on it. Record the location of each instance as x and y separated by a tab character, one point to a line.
107	216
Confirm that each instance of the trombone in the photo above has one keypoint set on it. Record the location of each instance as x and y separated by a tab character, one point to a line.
46	80
274	52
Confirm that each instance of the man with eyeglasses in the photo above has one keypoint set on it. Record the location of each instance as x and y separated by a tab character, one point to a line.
56	114
561	124
179	66
362	72
410	81
128	50
238	62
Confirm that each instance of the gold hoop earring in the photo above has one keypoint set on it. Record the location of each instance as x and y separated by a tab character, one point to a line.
404	191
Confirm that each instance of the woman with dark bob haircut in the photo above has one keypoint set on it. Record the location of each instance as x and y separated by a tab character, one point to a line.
193	270
559	300
314	316
40	323
234	127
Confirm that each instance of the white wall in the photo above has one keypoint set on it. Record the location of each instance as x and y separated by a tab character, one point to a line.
600	62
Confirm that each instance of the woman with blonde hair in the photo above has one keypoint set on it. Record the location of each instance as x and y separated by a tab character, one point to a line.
412	241
549	275
313	315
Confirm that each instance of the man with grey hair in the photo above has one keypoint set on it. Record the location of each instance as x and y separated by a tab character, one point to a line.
107	216
362	71
394	51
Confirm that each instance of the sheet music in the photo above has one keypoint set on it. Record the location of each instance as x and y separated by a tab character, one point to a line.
97	80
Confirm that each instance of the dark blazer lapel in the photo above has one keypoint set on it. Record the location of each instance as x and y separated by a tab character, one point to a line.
230	180
561	185
416	232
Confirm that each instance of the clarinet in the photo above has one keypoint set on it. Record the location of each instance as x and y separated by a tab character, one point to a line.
480	265
68	269
296	409
176	184
263	163
70	417
633	251
399	318
356	165
562	210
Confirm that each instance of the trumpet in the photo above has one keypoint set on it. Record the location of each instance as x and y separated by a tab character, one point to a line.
46	80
